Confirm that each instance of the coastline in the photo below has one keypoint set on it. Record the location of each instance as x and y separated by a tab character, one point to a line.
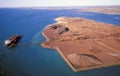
68	62
59	51
71	55
47	39
82	69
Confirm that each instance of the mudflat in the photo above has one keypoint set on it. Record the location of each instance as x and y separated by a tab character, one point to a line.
84	44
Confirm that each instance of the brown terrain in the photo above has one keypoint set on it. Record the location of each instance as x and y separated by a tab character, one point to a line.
102	9
84	44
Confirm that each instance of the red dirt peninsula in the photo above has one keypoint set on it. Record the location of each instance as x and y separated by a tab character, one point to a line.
84	44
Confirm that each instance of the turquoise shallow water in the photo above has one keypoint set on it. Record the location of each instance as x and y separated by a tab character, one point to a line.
33	60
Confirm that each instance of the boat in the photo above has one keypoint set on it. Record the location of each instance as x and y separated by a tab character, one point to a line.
13	40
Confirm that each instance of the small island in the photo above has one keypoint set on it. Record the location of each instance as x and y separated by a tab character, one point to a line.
84	44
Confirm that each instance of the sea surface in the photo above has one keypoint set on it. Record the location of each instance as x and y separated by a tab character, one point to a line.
33	60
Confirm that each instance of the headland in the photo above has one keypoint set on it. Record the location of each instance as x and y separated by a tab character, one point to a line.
84	44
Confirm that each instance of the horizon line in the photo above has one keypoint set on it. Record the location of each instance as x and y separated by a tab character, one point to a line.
58	6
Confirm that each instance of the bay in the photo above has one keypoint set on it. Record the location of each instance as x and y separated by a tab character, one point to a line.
33	60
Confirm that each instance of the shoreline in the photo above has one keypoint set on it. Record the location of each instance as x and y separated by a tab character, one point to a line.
72	48
65	59
59	51
47	39
82	69
68	62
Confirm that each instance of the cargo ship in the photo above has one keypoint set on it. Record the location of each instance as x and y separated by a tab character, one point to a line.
13	40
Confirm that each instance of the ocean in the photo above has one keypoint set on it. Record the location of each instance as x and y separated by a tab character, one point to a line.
33	60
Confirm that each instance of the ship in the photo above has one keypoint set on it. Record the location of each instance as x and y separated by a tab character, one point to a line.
12	41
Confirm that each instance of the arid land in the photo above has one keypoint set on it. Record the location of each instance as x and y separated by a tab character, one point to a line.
79	9
84	44
101	9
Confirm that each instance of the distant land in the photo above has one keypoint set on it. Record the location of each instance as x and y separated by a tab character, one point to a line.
102	9
98	9
84	44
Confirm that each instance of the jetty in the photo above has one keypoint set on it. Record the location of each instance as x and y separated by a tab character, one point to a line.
14	39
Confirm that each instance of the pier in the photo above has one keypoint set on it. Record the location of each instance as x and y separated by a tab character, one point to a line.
24	44
28	44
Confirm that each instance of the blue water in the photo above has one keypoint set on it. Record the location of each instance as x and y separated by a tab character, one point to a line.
33	60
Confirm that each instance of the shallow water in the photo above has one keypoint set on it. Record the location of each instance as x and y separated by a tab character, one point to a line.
33	60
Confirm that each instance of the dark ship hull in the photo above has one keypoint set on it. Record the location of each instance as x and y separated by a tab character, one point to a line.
13	40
